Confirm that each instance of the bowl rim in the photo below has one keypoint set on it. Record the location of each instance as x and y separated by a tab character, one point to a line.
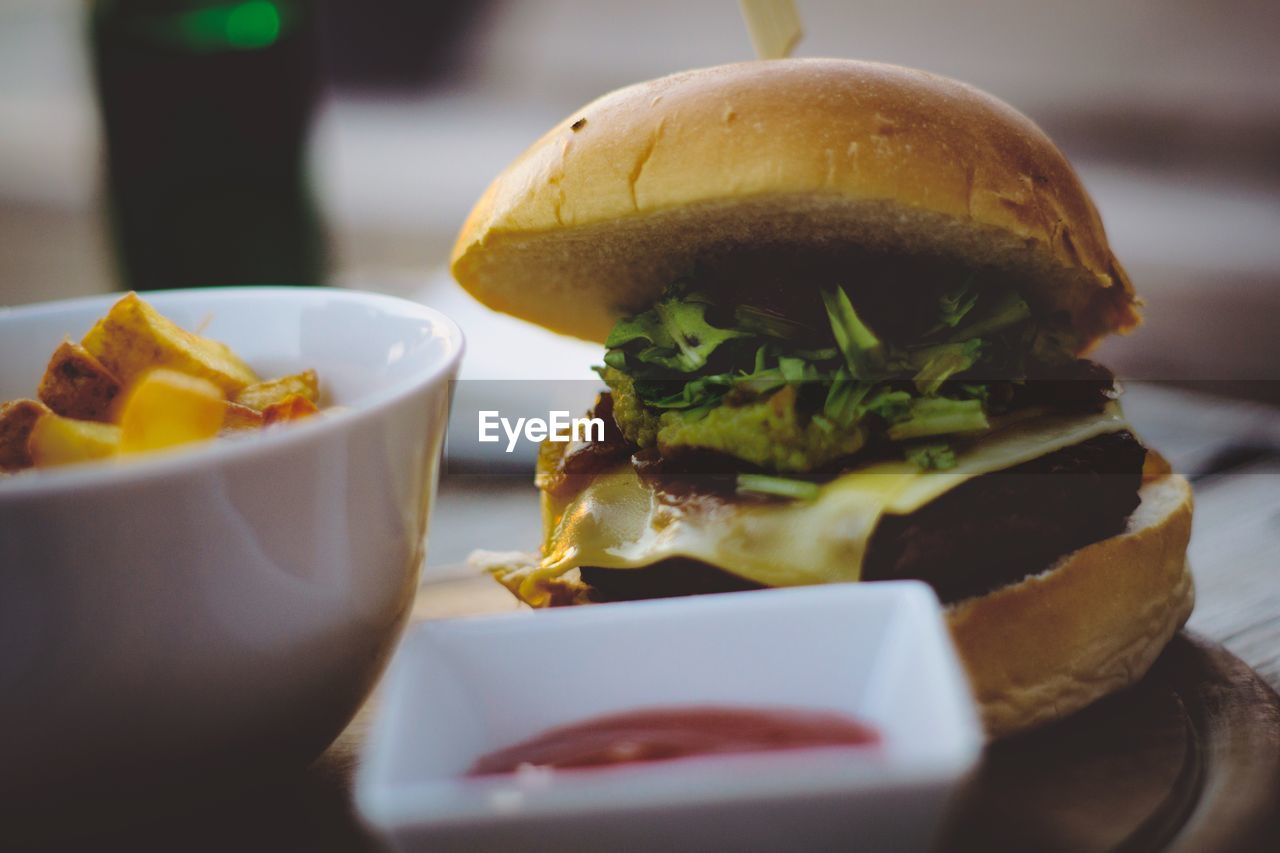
211	454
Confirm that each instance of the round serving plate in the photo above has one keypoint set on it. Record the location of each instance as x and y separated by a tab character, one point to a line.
1186	760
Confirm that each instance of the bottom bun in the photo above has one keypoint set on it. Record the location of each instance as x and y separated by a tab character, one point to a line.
1091	624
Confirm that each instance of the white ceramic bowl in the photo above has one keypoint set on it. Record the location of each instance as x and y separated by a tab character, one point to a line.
230	604
878	652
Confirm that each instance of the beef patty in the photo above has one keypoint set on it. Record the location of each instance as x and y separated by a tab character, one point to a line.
990	532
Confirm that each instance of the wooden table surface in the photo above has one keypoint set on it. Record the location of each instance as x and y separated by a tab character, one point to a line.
1230	450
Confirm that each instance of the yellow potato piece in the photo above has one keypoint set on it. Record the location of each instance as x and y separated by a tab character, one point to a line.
262	394
167	409
134	338
56	440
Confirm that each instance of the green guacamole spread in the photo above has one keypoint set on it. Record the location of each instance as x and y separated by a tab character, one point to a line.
769	432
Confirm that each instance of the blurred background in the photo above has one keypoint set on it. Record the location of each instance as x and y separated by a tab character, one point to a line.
150	143
176	142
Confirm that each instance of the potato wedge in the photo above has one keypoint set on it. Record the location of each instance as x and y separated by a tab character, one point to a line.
262	394
295	407
238	418
133	338
56	440
167	408
77	385
17	418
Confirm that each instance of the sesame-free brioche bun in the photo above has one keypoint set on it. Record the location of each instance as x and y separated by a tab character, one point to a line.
634	189
1091	624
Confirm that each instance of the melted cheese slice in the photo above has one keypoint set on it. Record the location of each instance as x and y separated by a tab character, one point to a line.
618	521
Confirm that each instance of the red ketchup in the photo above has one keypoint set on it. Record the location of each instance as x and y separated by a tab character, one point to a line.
663	734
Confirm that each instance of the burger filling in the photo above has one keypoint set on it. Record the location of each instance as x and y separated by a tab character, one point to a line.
798	391
991	531
756	441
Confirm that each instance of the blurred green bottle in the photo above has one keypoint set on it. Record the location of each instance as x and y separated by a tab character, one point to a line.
206	106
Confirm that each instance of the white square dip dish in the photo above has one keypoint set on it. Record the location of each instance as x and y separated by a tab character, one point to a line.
880	653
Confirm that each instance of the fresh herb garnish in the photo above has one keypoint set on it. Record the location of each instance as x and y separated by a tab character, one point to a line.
1008	310
762	321
932	457
781	487
936	364
889	404
929	416
705	390
688	355
844	398
955	304
863	352
677	332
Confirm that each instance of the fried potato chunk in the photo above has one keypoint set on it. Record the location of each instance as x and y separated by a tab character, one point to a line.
56	440
77	385
260	395
17	419
295	407
237	418
133	338
167	408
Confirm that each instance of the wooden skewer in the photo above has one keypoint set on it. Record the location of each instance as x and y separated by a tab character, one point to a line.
774	26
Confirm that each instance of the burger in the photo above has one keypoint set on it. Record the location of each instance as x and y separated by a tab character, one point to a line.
845	309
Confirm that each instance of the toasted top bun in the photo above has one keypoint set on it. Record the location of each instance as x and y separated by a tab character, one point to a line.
632	190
